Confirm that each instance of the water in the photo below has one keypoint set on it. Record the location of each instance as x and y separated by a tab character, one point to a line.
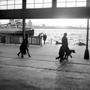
74	35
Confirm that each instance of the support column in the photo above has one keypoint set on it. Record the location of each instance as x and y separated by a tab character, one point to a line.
54	3
23	20
23	28
86	54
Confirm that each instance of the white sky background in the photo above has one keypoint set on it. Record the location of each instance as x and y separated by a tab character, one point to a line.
55	22
60	22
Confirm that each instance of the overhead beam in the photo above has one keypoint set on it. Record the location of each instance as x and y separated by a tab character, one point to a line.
78	12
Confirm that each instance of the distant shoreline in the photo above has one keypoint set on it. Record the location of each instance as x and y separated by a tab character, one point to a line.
37	27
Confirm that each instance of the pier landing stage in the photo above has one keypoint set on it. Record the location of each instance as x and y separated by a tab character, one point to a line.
42	71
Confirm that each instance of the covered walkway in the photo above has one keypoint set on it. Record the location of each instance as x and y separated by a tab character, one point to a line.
42	71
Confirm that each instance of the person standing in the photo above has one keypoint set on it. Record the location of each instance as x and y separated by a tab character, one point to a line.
65	42
44	37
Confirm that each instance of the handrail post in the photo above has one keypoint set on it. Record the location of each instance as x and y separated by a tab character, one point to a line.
86	54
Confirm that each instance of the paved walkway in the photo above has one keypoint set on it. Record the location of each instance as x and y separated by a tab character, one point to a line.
42	71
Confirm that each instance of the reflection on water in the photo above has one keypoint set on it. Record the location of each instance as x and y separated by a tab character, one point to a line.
74	35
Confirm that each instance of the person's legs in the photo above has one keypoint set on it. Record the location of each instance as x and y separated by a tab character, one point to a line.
20	48
18	53
22	55
59	53
62	56
58	57
44	41
67	51
28	52
62	53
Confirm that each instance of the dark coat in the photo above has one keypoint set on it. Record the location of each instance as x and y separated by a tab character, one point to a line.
23	48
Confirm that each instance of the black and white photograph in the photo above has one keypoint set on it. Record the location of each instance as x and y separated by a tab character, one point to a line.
44	44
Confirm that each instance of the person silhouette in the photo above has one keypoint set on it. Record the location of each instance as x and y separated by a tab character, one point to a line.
65	42
63	49
27	45
44	37
24	47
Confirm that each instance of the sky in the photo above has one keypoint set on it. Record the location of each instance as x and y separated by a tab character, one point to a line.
60	22
55	22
